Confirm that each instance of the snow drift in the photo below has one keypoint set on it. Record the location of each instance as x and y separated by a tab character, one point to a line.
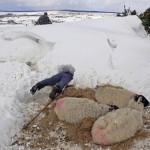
103	51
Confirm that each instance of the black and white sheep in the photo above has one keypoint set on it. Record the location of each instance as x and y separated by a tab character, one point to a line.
140	99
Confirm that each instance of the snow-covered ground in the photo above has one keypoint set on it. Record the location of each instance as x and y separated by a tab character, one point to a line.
109	50
27	18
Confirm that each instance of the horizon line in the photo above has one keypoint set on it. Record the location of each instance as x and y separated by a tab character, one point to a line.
71	10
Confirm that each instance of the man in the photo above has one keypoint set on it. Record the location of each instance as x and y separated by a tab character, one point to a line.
44	19
59	81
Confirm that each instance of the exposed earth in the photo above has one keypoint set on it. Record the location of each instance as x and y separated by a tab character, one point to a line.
47	132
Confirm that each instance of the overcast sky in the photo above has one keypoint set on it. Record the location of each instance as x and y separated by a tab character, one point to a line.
94	5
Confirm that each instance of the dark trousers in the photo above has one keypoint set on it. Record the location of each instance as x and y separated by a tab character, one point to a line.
61	79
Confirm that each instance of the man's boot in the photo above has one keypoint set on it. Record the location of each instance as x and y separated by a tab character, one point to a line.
55	90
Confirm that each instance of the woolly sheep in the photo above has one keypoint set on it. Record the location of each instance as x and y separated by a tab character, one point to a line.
113	95
73	110
119	125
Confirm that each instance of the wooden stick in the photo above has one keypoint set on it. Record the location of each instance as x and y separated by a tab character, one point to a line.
26	125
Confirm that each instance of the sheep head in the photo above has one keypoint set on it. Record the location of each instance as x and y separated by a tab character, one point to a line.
142	99
138	102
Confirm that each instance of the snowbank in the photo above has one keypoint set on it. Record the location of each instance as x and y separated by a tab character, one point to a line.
23	46
11	117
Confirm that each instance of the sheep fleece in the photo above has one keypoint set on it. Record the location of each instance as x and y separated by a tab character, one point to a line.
117	126
73	110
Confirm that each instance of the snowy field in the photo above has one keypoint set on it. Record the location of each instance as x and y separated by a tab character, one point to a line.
102	48
27	18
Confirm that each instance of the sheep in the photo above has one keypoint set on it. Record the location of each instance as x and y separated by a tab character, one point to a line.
119	125
138	102
140	99
73	110
113	95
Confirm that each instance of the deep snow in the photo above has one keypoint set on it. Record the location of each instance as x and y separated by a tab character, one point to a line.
112	51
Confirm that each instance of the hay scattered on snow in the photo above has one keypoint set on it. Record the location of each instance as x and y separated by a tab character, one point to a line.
41	128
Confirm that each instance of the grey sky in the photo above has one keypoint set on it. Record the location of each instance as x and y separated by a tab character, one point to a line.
95	5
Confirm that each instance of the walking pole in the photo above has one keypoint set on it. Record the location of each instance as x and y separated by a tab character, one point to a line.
27	124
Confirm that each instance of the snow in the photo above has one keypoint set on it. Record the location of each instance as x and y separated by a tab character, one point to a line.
109	50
